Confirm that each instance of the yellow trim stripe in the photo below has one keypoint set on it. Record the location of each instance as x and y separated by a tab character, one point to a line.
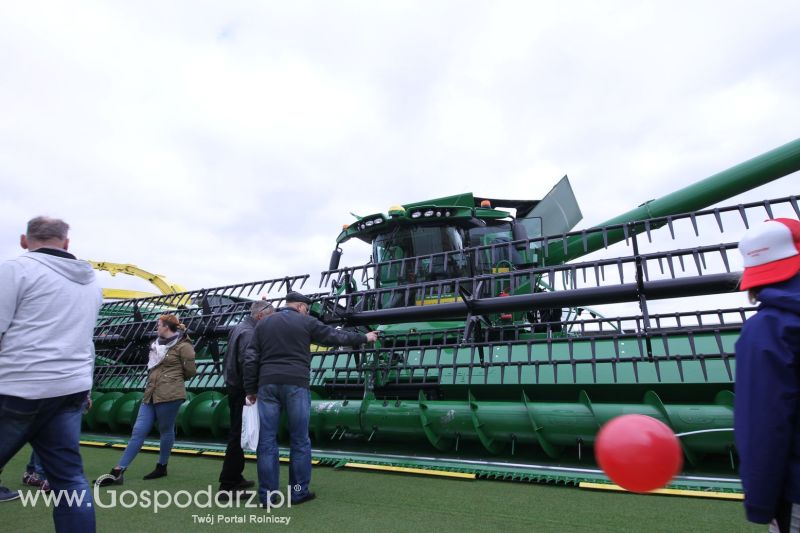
670	492
187	452
286	460
180	450
406	470
281	459
431	301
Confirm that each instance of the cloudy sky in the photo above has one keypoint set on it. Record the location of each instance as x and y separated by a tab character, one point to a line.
222	142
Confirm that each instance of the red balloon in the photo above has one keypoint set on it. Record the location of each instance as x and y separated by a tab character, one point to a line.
638	452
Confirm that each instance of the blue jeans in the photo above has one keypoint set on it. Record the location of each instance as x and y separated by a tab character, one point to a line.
35	465
165	413
53	427
296	401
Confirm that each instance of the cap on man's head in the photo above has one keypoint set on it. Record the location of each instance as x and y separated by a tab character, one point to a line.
295	296
771	252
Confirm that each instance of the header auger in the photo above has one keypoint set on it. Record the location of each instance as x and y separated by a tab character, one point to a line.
490	359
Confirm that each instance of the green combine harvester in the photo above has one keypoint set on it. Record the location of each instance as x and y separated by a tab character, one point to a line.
492	361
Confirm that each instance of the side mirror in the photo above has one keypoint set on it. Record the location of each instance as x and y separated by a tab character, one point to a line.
335	257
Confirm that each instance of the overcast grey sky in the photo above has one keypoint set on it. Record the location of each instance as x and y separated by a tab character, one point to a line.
222	142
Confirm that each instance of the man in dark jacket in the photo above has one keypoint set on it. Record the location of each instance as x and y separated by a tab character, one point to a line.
278	365
231	479
767	404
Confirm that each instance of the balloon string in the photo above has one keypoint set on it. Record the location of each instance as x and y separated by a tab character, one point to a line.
702	431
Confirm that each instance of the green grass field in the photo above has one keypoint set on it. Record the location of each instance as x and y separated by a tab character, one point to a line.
350	500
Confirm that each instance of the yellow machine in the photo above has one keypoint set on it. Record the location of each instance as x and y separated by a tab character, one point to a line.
164	286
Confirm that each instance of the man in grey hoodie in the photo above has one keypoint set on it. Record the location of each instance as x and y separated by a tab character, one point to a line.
49	302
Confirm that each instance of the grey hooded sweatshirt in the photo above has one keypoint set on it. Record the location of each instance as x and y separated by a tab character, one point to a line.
48	310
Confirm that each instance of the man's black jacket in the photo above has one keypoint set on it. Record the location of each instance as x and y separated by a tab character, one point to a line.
238	340
280	350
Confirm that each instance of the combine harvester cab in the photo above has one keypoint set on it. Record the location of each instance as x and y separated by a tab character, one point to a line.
491	361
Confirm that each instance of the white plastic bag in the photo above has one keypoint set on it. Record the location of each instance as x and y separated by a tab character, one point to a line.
250	423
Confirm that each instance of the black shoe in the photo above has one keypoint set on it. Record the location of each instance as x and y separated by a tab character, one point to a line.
160	471
310	496
115	477
226	495
245	484
273	501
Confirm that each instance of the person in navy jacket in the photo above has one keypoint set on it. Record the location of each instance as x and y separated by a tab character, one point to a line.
767	405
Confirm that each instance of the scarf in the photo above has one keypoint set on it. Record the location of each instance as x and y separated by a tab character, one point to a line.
159	349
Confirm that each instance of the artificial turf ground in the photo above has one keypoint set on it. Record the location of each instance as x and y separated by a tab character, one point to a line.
350	500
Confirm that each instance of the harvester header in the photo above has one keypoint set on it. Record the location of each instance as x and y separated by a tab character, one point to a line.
490	360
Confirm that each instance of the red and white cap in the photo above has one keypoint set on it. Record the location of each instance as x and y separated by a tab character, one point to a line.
771	252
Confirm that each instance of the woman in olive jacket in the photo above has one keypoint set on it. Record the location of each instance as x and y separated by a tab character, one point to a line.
170	363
